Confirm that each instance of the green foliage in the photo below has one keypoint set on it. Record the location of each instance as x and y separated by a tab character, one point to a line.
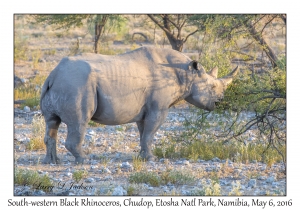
28	177
79	175
145	177
94	124
168	176
177	177
132	190
235	151
62	21
138	163
104	160
30	92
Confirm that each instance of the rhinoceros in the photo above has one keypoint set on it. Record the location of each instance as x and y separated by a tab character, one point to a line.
138	86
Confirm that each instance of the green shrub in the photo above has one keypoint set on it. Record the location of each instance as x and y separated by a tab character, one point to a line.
138	163
145	177
177	177
28	177
79	175
235	151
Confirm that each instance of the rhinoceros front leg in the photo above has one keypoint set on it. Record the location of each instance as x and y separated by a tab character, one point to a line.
74	141
50	140
147	129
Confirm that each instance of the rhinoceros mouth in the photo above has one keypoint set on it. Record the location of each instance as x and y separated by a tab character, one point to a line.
217	103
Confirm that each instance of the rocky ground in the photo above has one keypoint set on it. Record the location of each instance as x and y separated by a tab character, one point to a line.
110	151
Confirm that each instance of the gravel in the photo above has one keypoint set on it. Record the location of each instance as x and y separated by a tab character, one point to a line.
255	178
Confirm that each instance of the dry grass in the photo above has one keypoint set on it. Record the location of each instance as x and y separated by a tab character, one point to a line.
38	133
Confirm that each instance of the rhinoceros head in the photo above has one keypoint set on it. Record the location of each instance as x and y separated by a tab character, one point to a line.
206	88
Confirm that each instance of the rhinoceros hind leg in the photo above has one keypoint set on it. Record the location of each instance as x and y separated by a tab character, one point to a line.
147	129
74	141
52	125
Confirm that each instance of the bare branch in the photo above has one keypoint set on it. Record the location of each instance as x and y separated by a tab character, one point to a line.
190	35
161	26
267	23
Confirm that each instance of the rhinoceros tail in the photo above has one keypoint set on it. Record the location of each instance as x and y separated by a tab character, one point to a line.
47	85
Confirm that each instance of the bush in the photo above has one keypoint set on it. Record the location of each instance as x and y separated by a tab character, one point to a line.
145	177
28	177
79	175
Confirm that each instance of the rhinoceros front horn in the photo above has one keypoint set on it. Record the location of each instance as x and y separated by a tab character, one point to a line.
228	78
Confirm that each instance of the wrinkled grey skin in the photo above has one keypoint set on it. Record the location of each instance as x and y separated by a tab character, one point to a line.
138	86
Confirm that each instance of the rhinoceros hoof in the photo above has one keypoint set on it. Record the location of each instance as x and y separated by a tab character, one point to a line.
48	160
148	157
79	160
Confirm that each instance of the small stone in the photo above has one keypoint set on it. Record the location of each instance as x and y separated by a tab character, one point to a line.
263	168
274	184
271	179
91	132
119	191
97	179
69	174
185	192
63	193
252	183
94	167
161	160
108	178
89	180
125	165
216	159
165	189
262	178
185	162
94	162
106	170
89	137
26	109
237	171
38	193
151	163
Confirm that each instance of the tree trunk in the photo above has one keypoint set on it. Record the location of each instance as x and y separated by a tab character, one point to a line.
98	31
99	26
176	44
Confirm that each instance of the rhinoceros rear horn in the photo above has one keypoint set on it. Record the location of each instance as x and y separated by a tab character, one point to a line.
214	72
228	78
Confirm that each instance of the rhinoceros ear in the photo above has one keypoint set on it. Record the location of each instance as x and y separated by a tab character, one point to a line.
214	72
194	65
